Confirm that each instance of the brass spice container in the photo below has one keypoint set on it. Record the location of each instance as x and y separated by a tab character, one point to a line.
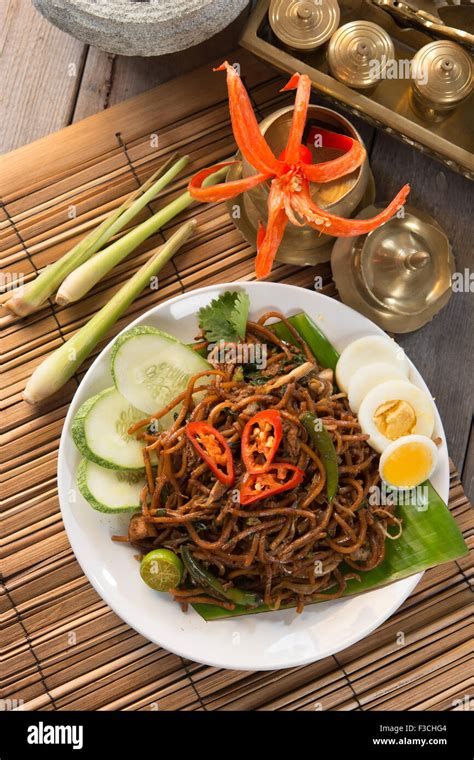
387	106
441	79
302	245
303	24
358	54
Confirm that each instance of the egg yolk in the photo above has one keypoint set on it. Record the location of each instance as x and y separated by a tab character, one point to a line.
408	466
394	419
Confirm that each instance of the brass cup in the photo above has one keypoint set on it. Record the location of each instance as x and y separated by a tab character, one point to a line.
304	245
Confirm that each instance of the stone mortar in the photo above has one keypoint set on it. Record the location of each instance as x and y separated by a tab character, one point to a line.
141	27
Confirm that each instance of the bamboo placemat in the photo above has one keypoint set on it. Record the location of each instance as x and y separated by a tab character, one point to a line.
63	647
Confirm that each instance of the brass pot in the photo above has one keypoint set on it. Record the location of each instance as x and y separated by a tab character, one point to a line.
305	245
442	79
399	275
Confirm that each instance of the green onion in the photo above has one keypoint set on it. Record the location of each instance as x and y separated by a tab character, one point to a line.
57	368
30	297
325	353
82	279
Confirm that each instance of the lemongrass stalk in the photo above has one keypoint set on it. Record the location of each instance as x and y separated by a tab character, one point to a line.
31	296
82	279
166	174
60	366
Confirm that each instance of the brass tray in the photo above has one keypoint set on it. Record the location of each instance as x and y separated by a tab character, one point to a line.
388	106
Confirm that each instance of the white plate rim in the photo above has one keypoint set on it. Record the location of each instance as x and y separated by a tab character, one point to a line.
405	586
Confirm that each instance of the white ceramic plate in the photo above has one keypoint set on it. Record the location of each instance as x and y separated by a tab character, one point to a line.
266	641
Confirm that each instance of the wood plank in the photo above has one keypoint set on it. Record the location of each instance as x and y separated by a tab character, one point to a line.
37	98
157	108
96	84
468	468
449	198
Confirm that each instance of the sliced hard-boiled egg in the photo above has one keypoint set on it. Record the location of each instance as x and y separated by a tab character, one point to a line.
408	462
367	378
394	409
372	348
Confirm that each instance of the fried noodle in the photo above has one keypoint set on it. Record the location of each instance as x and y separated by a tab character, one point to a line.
292	548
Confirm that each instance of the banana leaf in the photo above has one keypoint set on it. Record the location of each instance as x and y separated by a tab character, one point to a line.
430	534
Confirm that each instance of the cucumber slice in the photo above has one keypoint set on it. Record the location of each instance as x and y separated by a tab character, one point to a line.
99	431
109	490
151	368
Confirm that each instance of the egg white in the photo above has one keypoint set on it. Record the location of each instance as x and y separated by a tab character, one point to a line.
363	351
396	390
367	378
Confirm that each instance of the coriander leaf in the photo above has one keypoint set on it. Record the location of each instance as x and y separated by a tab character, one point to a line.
215	325
225	303
225	318
240	313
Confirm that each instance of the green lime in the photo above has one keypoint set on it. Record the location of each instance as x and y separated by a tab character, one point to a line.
161	569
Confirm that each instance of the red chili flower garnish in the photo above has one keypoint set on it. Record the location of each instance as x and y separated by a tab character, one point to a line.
260	440
289	197
213	448
305	154
279	477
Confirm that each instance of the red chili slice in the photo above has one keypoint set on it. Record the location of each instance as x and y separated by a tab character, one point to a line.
261	438
213	448
279	477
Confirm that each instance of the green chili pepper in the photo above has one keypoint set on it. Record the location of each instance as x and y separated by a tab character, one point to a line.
213	585
322	442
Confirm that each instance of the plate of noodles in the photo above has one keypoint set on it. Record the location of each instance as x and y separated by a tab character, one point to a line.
234	521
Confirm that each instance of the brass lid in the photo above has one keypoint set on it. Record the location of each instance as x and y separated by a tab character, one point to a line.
399	275
304	24
358	53
442	73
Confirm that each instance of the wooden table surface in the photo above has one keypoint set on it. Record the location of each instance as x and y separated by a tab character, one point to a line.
50	80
